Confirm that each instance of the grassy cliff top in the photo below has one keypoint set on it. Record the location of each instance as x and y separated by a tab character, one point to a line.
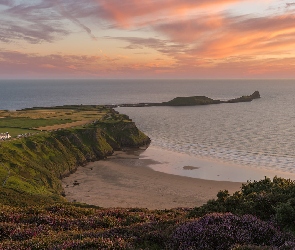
44	119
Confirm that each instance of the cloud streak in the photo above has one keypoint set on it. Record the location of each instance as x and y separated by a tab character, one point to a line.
30	23
62	9
41	22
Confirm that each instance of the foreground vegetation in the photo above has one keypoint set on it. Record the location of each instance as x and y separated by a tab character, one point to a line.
34	214
78	226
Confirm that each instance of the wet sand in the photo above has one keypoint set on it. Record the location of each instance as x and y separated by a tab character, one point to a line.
125	180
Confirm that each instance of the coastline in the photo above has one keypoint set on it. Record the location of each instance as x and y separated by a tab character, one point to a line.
125	180
128	179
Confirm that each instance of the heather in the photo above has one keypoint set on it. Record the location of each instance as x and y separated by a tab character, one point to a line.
257	224
78	226
224	231
75	227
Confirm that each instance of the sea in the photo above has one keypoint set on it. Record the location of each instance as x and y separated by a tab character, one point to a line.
260	134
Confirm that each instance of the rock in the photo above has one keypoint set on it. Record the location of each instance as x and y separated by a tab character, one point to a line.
255	95
247	98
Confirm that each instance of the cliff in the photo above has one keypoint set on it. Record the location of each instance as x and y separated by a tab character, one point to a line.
32	167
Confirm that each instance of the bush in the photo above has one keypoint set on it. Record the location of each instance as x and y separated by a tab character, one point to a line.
266	199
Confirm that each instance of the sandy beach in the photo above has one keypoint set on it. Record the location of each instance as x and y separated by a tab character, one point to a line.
125	180
155	178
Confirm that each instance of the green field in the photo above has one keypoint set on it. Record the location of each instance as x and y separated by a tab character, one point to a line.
27	123
53	118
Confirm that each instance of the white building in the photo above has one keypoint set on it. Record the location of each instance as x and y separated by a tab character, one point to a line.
4	136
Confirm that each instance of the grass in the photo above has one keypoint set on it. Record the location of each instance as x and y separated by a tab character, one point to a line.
28	123
27	120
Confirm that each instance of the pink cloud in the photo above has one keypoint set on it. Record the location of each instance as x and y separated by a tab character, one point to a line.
188	31
123	13
224	36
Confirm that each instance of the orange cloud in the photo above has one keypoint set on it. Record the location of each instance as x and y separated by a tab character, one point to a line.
259	36
189	31
123	13
218	37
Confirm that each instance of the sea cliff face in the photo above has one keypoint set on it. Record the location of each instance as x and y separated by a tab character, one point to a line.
33	166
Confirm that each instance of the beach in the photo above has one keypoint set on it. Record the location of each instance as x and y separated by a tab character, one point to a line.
125	180
129	178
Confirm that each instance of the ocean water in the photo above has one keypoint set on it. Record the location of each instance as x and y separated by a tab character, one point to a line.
258	134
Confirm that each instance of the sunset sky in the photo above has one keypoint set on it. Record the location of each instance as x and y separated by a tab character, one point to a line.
147	39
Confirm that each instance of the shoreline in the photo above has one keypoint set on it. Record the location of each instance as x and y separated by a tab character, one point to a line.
125	180
131	178
206	168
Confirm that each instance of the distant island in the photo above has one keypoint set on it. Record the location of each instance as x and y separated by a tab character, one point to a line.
192	101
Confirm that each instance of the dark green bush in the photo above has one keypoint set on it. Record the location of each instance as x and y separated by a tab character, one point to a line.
267	199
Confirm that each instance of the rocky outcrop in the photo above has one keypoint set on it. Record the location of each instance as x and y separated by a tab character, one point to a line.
247	98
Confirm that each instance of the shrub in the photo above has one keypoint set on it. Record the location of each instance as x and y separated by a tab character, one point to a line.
266	199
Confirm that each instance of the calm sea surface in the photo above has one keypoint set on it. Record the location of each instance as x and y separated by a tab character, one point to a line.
259	133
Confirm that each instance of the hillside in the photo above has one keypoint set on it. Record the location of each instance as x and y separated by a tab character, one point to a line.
32	164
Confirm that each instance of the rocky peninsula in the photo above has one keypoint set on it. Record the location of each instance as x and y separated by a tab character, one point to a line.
192	101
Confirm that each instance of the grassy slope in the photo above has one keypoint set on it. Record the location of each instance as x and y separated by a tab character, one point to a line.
31	167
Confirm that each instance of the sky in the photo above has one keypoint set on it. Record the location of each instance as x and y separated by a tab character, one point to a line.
154	39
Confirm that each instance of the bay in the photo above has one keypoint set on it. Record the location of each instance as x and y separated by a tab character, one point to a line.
259	134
